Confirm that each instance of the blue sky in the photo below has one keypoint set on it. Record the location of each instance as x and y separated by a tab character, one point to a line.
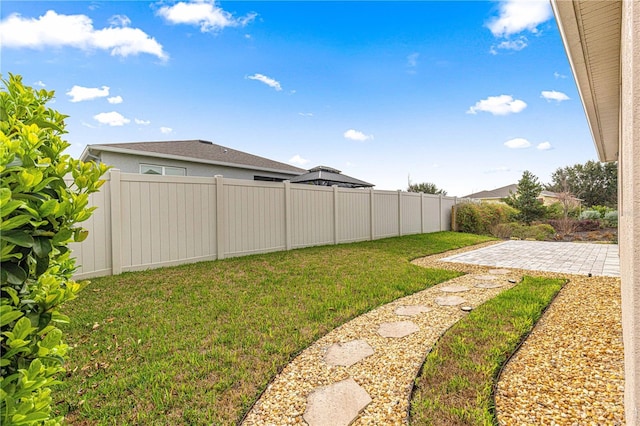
466	95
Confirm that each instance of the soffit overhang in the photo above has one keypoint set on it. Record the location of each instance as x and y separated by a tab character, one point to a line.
590	32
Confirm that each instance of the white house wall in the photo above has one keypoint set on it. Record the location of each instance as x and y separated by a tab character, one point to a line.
150	221
629	205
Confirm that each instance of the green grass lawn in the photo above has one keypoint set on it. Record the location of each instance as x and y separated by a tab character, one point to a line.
456	382
197	344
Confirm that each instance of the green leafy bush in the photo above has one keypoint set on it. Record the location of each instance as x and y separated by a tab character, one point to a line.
590	215
479	218
540	232
603	210
611	218
39	216
556	211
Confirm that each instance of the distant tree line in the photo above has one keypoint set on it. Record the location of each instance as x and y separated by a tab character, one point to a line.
594	183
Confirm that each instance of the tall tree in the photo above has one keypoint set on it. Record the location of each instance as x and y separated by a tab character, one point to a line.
426	187
594	183
526	198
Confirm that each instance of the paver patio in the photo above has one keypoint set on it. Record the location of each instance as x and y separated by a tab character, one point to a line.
571	258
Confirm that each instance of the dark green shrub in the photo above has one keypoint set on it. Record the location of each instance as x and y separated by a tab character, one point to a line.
540	232
480	218
611	218
590	215
602	210
39	215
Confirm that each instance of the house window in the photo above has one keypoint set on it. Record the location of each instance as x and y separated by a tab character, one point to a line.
151	169
267	178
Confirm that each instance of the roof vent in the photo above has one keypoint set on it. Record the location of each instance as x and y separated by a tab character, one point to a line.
207	142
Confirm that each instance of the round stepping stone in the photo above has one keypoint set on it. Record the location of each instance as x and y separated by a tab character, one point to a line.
498	271
449	300
454	289
337	404
411	311
397	329
489	285
347	354
466	308
486	277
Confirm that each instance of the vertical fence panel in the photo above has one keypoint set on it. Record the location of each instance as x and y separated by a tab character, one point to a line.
93	255
386	213
254	213
311	215
431	213
353	215
411	209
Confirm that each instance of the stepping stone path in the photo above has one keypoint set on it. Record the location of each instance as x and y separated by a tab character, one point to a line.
347	354
449	300
337	404
397	329
489	285
486	277
454	289
411	311
363	371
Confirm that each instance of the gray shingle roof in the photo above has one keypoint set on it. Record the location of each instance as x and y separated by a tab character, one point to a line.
199	150
326	176
504	192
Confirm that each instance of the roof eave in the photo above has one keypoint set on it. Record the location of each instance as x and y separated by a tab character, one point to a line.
181	158
604	129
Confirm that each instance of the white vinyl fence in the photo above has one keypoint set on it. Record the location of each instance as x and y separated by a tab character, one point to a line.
146	221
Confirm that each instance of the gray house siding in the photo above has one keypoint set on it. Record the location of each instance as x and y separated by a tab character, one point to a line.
130	163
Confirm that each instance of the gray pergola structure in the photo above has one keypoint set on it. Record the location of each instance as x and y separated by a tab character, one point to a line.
326	176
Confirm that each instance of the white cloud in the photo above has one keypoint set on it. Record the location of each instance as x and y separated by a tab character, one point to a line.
552	95
498	105
517	143
120	21
115	100
516	16
296	159
412	61
54	30
558	75
306	114
113	119
142	122
517	44
501	169
266	80
79	93
39	83
203	13
356	135
544	146
166	130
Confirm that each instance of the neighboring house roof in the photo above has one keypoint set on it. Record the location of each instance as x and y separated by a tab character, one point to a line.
326	176
504	192
197	151
591	34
